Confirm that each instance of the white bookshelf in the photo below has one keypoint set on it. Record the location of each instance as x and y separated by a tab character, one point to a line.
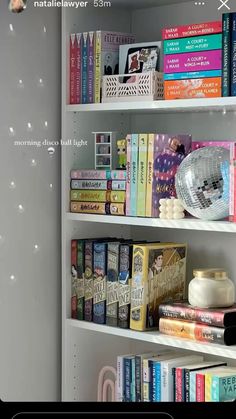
86	347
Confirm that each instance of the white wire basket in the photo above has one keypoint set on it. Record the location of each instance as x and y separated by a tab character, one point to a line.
133	87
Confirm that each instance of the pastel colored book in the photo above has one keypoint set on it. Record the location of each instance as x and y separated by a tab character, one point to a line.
194	61
78	67
118	185
90	207
134	174
91	174
116	208
80	279
169	152
200	378
196	29
149	180
118	174
116	196
142	174
125	271
195	88
74	279
112	286
128	184
192	44
219	317
88	281
233	55
223	386
232	192
198	332
90	75
193	75
103	185
99	282
158	273
199	144
89	195
85	67
73	69
227	23
107	56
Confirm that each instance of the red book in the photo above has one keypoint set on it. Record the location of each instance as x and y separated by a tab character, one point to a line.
200	387
72	69
196	29
78	68
178	385
73	279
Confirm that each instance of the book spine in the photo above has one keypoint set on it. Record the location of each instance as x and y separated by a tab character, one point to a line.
233	55
166	384
185	89
80	280
227	388
214	318
149	180
102	185
142	174
201	43
128	378
91	47
118	174
73	69
118	185
206	28
232	183
116	208
226	55
89	196
78	68
193	386
193	75
91	207
98	69
120	380
84	67
138	315
138	378
208	383
174	383
146	380
194	61
90	174
125	265
133	394
128	185
158	395
74	279
187	386
200	388
215	389
178	385
112	298
99	283
88	282
117	196
152	383
134	174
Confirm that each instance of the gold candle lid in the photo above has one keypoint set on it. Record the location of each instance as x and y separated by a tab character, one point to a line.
215	273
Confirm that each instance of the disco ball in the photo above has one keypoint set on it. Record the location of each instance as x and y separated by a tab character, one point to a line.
202	183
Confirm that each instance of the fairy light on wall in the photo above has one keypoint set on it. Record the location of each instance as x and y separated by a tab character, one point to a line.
33	163
12	185
21	209
11	131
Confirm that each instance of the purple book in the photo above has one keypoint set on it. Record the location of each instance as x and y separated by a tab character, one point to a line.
169	152
91	67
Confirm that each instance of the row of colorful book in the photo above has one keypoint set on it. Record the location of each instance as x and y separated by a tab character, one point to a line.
121	283
216	325
168	376
98	191
92	55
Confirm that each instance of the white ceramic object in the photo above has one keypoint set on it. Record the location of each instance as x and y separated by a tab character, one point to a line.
171	209
211	288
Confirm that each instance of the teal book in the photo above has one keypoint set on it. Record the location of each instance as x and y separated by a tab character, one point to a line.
223	387
134	174
226	20
193	44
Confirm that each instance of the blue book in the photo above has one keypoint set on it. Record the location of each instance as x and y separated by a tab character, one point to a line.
233	55
133	390
128	377
99	282
85	67
193	75
158	381
134	174
226	23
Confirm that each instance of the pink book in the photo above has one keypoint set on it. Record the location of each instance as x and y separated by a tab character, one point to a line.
197	29
232	190
73	69
200	387
199	144
90	174
194	61
78	67
128	174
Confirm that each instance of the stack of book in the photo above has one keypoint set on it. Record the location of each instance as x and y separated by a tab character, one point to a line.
98	191
168	376
92	55
205	325
193	61
229	54
102	289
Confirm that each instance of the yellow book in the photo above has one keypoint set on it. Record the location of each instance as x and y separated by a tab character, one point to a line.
208	382
149	175
158	274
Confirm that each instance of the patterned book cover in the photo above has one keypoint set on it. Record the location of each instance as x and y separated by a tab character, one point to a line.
78	67
118	185
88	281
85	67
89	196
116	196
169	152
189	89
74	279
103	185
149	179
99	283
91	46
134	174
125	266
90	174
226	19
119	174
107	56
72	69
93	208
158	274
193	44
112	298
196	29
193	75
80	279
128	184
142	174
233	55
193	61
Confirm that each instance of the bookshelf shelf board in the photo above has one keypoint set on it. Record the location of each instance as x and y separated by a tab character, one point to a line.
220	104
185	224
158	338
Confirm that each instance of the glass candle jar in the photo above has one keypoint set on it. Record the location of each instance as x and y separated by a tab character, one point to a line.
211	288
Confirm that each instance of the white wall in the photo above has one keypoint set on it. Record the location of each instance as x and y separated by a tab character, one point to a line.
29	278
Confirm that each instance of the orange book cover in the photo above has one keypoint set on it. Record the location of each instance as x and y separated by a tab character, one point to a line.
193	88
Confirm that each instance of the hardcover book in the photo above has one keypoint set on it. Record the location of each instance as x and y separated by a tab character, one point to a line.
226	19
90	75
195	88
112	297
78	68
193	61
125	271
158	274
85	67
80	279
192	44
73	69
74	279
196	29
99	283
88	281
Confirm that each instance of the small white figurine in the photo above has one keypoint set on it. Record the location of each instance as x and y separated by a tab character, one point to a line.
171	209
